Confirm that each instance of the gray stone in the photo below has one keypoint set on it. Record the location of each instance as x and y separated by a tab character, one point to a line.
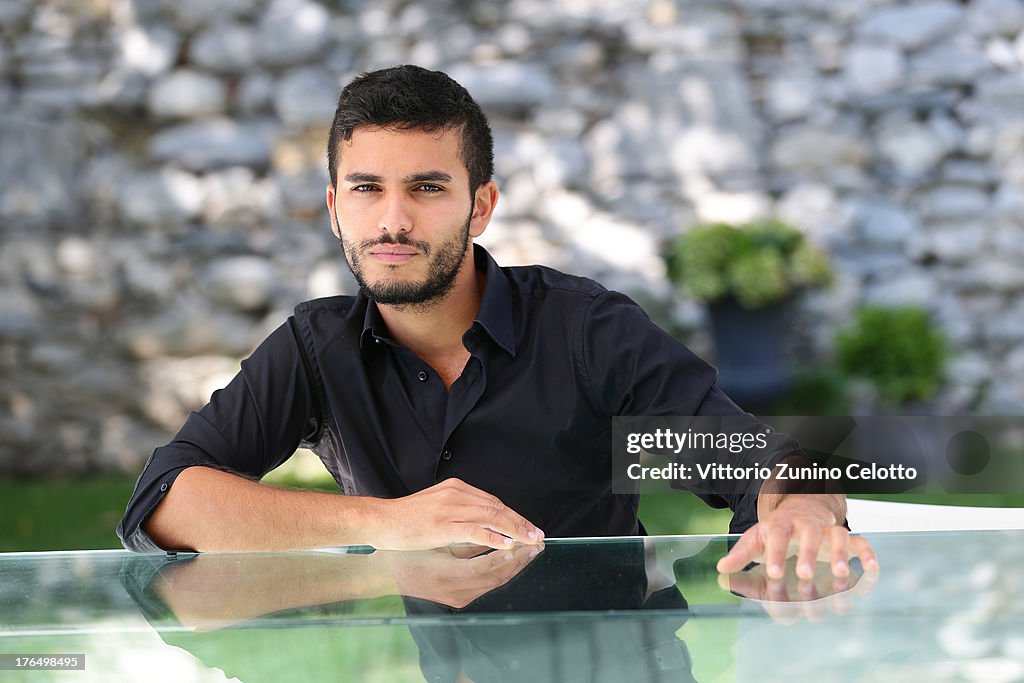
292	31
214	144
912	149
255	93
507	87
883	223
912	288
120	88
38	168
564	164
1009	204
14	12
22	317
165	197
235	197
1001	17
949	63
791	96
953	202
187	94
960	245
912	26
190	15
1000	97
150	50
302	193
171	387
817	147
306	97
229	48
1002	275
968	172
330	278
245	283
77	256
969	369
873	69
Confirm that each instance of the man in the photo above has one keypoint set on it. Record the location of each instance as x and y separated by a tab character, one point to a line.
452	400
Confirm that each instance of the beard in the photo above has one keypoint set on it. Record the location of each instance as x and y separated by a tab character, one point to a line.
443	265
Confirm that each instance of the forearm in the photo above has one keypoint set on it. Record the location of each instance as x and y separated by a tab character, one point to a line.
214	591
211	510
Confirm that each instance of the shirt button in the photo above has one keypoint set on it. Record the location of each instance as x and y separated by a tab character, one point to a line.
377	341
163	487
447	455
422	376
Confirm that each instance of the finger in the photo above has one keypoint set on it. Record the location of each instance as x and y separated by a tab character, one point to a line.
839	539
776	545
862	549
810	541
489	501
499	517
469	532
746	584
464	551
747	548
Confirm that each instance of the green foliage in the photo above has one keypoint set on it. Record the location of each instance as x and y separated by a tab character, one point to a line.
898	349
813	392
758	263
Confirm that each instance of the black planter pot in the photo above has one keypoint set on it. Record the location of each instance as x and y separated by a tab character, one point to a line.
750	348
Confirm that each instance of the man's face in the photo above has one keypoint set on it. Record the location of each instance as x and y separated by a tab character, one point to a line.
403	212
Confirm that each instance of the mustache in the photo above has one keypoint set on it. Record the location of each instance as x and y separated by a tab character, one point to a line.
402	239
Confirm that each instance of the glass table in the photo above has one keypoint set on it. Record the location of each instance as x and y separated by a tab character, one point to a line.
945	606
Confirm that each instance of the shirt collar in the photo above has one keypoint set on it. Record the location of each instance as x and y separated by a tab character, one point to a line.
494	316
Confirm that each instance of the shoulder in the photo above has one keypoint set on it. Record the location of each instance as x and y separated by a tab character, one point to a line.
540	281
329	304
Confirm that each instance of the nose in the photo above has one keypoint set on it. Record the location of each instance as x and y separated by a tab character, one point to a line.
395	217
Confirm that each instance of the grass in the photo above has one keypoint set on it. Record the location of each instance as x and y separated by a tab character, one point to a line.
81	514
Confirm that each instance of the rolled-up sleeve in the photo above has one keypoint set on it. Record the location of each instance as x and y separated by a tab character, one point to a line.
634	368
249	427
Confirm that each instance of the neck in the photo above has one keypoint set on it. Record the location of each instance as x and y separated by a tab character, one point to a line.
435	329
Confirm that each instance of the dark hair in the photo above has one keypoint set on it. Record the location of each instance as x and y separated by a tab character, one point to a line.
410	97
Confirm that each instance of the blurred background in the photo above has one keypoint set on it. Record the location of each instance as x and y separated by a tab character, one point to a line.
851	174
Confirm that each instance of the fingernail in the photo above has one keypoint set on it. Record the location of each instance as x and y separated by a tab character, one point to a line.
534	535
509	541
873	564
806	570
775	570
534	553
841	566
508	556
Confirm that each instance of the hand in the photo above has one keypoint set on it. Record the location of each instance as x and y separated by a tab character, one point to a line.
790	599
451	512
803	526
448	577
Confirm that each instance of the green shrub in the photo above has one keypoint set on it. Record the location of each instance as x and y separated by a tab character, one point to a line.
898	350
757	263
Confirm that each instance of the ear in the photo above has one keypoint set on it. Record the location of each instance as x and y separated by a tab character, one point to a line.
331	212
484	200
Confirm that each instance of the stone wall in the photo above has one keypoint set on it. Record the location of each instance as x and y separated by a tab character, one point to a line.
162	174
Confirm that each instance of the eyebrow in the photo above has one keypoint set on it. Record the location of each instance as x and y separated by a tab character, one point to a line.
422	177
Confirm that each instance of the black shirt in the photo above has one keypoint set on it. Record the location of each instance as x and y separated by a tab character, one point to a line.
553	358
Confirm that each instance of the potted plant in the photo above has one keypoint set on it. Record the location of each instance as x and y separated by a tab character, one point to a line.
748	275
898	351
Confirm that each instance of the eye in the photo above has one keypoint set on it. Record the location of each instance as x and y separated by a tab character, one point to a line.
429	189
364	188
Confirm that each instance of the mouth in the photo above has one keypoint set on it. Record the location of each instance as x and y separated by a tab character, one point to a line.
393	254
